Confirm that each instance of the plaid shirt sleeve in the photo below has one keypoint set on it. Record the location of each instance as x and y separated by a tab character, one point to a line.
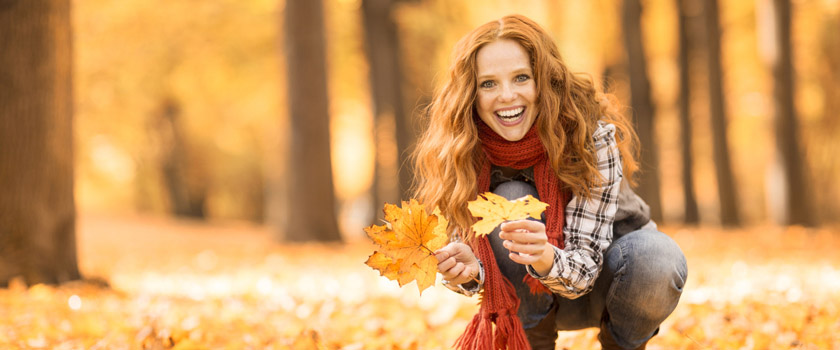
589	224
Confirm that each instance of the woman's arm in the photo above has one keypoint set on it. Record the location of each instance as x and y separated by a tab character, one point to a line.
588	228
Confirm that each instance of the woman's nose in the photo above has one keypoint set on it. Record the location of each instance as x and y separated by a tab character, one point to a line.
508	92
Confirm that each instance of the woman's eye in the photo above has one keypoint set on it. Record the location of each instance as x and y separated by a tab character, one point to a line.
487	84
522	77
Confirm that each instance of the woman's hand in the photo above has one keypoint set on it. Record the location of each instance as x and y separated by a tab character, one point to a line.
528	244
457	263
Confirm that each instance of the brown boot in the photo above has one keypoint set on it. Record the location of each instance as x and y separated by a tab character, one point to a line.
544	335
606	338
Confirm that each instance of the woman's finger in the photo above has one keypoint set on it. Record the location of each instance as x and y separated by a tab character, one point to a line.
528	225
445	265
523	259
442	255
524	248
524	237
456	270
467	274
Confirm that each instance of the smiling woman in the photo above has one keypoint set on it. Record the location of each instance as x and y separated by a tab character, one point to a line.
506	92
512	119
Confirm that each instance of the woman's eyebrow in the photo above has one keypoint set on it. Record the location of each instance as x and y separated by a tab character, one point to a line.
515	71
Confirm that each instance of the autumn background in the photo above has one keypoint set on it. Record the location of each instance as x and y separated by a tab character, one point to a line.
197	174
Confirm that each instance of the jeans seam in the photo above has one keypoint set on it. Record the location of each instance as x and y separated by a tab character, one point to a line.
618	277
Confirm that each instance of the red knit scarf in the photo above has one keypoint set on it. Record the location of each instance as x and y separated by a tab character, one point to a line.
499	302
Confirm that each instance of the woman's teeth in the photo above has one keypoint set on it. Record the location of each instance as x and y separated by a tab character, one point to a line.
511	113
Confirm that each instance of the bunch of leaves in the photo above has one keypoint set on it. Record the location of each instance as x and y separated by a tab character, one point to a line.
494	209
408	241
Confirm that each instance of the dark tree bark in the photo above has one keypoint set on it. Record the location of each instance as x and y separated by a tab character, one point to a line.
37	208
643	109
382	48
692	215
799	204
717	105
310	206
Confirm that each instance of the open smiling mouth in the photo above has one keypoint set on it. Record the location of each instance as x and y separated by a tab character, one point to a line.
510	115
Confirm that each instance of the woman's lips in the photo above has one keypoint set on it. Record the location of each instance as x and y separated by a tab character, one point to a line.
510	116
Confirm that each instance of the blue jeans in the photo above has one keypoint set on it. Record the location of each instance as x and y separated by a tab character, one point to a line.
641	281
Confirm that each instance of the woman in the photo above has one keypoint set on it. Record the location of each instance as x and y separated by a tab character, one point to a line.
510	118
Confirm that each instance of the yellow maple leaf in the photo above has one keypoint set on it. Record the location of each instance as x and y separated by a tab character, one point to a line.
408	242
494	209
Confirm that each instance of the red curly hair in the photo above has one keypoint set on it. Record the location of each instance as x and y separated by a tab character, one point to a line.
448	154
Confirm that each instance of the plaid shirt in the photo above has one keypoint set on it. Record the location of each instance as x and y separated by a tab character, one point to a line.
589	225
588	230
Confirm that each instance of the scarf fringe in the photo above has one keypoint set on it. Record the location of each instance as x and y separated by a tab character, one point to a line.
509	334
482	335
535	285
478	334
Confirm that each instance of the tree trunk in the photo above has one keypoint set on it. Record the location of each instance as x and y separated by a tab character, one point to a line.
183	180
827	172
311	209
643	109
692	215
382	48
798	201
37	209
717	105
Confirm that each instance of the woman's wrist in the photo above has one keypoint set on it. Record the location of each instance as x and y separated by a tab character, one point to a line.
543	266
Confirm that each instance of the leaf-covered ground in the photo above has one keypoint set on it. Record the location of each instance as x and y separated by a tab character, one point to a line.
185	285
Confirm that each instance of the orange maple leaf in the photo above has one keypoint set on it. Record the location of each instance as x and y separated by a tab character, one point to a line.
494	209
408	242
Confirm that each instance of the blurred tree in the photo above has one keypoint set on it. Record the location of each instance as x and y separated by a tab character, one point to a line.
798	202
640	102
37	209
686	13
186	198
828	171
717	105
382	48
310	204
133	56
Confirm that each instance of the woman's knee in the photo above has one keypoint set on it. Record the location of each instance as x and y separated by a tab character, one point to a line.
649	271
651	255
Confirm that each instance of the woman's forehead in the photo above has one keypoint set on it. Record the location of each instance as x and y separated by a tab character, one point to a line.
501	56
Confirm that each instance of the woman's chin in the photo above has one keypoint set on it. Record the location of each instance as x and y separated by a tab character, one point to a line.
513	135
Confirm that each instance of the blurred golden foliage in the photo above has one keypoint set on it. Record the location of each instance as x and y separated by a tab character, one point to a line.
191	95
216	62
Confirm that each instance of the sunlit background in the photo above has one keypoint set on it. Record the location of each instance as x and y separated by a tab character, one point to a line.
205	93
181	143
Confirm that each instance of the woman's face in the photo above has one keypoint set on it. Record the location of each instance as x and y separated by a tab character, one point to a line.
506	92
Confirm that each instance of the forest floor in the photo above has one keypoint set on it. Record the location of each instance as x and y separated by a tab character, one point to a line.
192	285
